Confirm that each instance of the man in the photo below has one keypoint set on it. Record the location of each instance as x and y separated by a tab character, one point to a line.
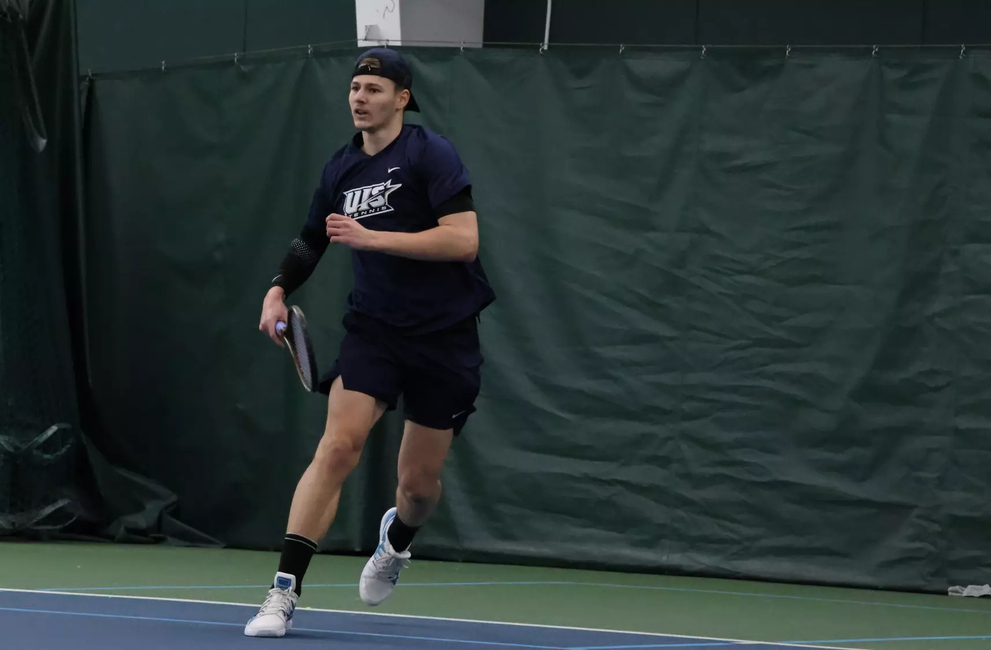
400	198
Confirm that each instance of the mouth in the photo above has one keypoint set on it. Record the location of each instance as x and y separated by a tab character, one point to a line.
360	113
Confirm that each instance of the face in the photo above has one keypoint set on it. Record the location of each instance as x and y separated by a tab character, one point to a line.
375	101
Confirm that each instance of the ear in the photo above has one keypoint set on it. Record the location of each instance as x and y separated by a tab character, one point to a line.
404	96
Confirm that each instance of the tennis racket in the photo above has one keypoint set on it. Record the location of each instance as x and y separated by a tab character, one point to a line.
297	339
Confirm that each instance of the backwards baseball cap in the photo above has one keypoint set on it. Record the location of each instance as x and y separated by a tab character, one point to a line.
383	62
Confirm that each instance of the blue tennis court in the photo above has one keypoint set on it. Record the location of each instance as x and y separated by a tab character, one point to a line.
54	620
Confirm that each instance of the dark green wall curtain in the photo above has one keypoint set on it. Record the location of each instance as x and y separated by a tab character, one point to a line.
742	318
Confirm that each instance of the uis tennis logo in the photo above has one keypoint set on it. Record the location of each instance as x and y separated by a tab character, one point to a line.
367	201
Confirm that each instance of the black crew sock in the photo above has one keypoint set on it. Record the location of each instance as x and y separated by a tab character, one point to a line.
297	551
401	535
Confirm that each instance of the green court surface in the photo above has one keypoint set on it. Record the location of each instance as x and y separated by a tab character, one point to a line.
725	609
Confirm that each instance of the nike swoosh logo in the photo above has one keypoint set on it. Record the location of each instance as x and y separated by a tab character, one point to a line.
392	169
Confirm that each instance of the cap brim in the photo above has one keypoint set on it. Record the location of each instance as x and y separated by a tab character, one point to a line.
412	105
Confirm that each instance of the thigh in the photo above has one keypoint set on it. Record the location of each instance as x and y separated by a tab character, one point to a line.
351	414
422	453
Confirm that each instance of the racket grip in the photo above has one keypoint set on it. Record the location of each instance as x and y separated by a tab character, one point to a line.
280	327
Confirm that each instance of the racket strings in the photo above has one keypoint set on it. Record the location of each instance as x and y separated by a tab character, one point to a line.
303	352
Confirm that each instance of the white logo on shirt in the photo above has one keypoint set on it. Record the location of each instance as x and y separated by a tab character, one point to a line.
370	200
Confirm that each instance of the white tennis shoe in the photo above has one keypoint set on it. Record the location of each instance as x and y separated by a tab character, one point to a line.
381	572
274	618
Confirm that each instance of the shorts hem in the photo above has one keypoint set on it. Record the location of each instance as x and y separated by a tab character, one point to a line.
455	424
328	380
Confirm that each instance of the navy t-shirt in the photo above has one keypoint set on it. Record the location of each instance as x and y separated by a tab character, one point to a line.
399	189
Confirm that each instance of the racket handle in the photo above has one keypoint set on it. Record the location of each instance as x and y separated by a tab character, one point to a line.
280	327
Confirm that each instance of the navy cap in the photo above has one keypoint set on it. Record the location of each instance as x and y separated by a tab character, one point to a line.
383	62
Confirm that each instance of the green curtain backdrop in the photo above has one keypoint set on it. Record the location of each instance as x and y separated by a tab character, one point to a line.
743	314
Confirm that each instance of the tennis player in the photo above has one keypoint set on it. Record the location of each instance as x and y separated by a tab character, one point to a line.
399	197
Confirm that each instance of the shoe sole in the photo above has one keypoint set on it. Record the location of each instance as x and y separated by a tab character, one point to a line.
266	634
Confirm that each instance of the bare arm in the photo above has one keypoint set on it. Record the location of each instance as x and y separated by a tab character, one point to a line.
454	239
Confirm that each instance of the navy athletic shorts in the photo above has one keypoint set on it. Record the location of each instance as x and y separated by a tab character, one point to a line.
438	373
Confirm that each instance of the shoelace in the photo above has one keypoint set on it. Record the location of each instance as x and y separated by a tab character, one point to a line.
277	601
390	564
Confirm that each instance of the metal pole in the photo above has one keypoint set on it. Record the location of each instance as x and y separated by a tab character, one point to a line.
547	27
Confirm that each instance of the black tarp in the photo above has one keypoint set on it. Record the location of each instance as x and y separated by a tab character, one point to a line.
54	480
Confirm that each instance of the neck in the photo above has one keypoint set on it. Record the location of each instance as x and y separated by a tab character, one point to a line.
377	140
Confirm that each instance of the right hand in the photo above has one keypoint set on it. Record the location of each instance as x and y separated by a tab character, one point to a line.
273	311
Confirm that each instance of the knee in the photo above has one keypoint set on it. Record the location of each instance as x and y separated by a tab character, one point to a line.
338	452
419	485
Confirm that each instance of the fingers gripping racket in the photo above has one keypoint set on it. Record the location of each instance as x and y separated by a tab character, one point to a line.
297	339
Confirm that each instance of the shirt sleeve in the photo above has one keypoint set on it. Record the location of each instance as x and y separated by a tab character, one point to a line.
460	202
441	170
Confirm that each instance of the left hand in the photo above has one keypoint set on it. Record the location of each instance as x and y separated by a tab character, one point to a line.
347	231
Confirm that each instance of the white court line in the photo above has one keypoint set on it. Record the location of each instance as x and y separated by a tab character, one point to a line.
435	618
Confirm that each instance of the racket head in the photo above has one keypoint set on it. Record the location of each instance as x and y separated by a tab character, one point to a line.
297	338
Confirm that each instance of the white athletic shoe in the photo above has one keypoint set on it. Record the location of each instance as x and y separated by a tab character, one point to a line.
381	572
274	618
